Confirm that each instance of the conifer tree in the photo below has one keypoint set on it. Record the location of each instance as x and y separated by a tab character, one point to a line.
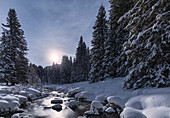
81	63
114	61
8	70
16	64
97	51
65	70
148	44
73	71
33	76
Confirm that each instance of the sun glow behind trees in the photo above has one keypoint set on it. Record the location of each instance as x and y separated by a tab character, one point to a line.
54	56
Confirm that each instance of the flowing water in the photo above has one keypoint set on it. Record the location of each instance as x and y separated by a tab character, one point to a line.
41	108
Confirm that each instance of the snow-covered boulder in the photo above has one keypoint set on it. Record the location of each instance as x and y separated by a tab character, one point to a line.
132	113
116	103
9	98
15	116
114	100
72	104
57	107
6	89
34	92
22	99
9	103
74	91
110	110
101	98
88	113
85	96
91	112
25	93
3	103
96	105
152	105
14	105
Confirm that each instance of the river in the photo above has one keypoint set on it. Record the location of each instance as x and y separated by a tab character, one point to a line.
41	108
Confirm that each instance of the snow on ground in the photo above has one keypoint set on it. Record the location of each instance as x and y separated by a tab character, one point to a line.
12	97
150	102
141	103
96	91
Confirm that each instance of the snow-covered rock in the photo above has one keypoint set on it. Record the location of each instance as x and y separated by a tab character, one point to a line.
152	105
72	104
9	103
85	95
110	110
35	93
101	98
91	112
15	116
96	105
6	89
114	100
74	91
132	113
22	99
3	103
25	93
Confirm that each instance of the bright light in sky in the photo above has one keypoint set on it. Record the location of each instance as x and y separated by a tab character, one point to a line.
59	25
55	56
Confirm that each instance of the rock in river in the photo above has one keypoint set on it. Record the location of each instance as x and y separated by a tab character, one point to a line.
56	101
57	107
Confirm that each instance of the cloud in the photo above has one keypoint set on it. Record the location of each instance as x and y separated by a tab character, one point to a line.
54	24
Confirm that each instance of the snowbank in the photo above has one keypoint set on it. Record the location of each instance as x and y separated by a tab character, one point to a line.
95	91
151	103
12	97
9	103
141	103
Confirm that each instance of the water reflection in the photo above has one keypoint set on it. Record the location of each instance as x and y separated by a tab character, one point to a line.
42	108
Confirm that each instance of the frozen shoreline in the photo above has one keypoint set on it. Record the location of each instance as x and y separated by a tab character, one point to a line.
141	103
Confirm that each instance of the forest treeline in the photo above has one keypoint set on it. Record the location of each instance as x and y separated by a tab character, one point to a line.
134	42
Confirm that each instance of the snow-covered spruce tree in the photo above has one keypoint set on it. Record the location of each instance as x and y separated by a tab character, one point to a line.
65	70
8	70
88	62
40	72
73	71
81	63
15	63
32	75
114	60
97	50
148	44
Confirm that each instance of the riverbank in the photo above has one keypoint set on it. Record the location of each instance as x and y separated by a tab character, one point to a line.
103	98
14	98
141	103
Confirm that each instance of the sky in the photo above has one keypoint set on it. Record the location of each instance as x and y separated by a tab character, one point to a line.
53	27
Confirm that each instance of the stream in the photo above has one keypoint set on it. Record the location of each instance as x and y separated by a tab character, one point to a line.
42	108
